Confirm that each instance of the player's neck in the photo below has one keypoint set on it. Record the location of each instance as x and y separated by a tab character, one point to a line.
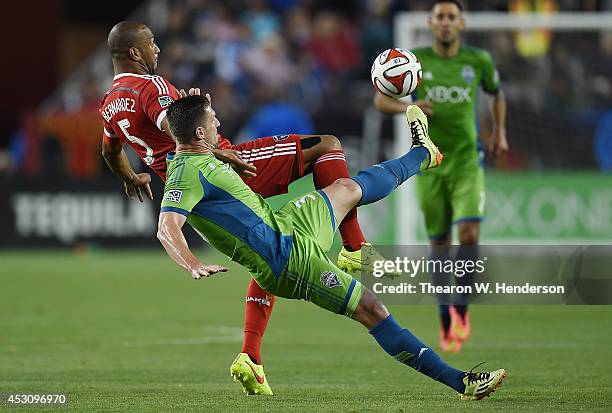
198	147
128	67
447	50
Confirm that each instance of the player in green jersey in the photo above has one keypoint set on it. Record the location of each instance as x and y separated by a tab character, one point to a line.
286	251
453	73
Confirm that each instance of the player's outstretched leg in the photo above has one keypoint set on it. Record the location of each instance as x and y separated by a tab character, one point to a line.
325	157
404	347
378	181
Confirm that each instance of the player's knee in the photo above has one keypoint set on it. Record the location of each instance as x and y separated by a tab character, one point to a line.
370	310
349	188
330	143
468	234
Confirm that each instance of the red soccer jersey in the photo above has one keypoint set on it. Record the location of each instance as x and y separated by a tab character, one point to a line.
133	110
223	143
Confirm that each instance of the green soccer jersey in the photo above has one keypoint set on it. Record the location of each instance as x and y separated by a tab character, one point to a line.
236	221
451	85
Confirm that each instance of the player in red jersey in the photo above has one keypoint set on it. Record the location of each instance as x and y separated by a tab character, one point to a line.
134	112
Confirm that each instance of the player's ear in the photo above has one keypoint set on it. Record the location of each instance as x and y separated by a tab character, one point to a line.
135	54
199	133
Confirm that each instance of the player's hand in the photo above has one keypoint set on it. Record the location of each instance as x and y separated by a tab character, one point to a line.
425	106
192	91
206	270
233	158
498	144
139	184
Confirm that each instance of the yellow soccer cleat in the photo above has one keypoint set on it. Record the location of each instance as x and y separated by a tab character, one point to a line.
361	260
479	385
349	261
420	136
250	375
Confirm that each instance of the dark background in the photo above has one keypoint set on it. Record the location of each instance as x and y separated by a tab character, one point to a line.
43	42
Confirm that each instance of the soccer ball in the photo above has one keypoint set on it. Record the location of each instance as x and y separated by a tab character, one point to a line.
396	72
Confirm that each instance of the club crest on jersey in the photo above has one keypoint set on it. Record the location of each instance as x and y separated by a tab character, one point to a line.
165	101
468	74
330	279
173	196
280	138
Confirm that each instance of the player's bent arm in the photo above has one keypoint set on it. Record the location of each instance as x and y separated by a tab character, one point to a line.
388	105
118	162
171	236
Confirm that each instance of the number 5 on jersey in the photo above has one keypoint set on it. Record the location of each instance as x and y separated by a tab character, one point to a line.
124	124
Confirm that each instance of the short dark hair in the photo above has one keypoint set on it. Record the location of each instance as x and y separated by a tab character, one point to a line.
123	36
457	3
185	115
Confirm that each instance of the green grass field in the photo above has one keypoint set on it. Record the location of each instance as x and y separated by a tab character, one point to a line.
128	331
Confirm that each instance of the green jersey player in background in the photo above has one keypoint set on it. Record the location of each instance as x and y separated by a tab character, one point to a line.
286	251
453	73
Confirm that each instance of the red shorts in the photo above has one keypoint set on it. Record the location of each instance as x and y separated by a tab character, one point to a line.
274	157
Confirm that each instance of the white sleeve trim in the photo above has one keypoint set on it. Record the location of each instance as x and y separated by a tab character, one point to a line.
160	119
108	134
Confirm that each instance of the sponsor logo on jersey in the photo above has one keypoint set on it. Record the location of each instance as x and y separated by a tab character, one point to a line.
258	300
165	101
468	74
445	94
330	279
173	196
280	138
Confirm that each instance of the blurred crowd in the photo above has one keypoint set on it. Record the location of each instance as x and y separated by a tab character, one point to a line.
310	61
